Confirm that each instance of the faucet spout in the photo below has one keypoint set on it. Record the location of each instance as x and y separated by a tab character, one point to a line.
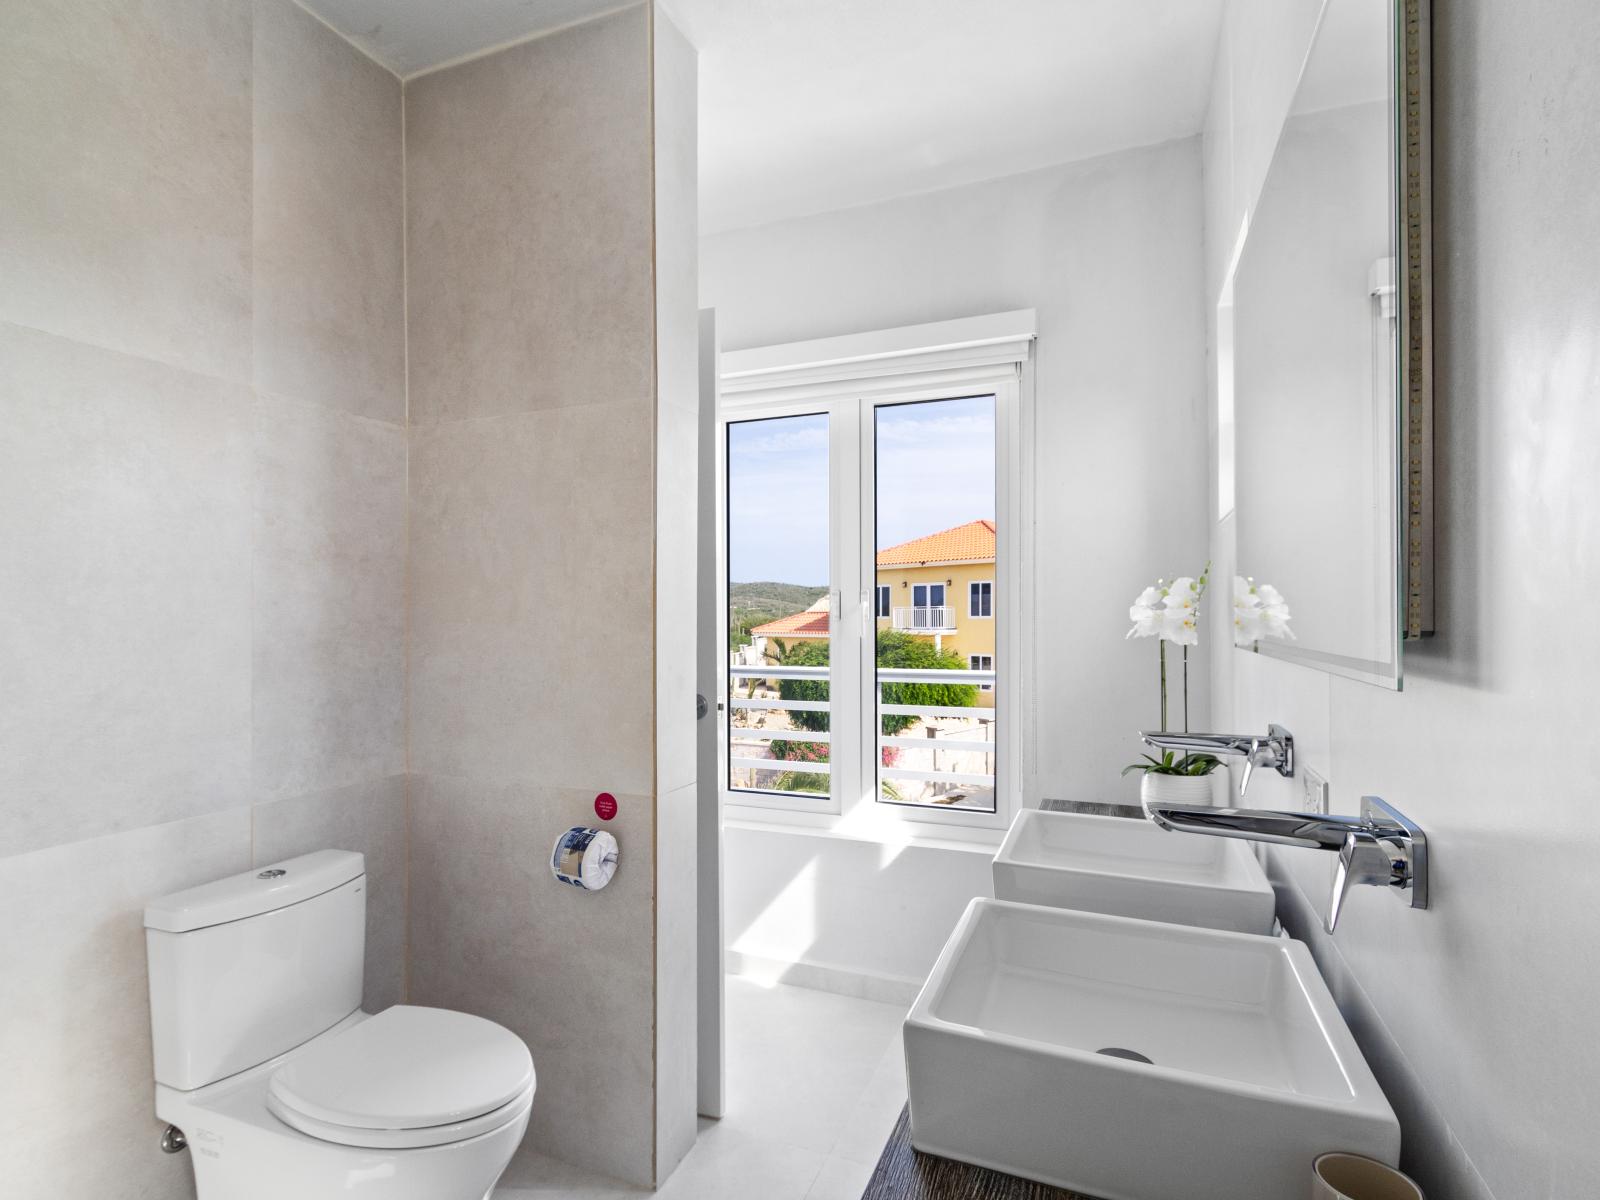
1257	825
1382	846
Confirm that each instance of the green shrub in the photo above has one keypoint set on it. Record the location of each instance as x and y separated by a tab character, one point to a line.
903	650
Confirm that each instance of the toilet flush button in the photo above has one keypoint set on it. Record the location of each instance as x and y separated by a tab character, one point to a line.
272	873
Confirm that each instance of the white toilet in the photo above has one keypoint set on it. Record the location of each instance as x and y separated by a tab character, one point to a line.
282	1086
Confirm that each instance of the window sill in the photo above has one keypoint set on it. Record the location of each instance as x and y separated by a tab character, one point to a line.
887	832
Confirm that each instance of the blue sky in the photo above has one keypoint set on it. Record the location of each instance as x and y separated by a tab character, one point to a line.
935	470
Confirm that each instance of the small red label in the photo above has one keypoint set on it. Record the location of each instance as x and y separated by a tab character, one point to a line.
605	806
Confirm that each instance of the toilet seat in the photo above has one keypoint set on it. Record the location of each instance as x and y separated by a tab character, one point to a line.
407	1077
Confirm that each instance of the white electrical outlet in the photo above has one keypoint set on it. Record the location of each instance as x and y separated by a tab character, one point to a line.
1313	792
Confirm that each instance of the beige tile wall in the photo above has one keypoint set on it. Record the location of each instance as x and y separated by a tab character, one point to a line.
206	482
202	521
529	226
128	223
329	258
531	585
494	933
531	332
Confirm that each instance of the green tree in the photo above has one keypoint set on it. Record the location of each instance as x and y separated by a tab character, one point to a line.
804	654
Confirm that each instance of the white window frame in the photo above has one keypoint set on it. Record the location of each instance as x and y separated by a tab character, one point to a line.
975	662
884	599
853	376
975	583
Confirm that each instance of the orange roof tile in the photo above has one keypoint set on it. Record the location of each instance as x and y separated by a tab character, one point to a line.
811	623
972	542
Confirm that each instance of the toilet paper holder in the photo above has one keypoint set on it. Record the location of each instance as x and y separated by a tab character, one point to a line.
585	858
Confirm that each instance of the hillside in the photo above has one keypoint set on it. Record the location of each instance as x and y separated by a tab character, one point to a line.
767	600
751	604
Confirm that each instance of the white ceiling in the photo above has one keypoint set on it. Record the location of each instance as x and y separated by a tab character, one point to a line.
812	105
410	36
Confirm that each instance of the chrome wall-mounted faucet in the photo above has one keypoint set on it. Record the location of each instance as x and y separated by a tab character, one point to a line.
1273	749
1382	846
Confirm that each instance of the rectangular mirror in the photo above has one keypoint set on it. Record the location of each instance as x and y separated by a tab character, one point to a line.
1331	357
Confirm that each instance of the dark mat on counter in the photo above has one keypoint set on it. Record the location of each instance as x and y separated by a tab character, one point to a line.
906	1174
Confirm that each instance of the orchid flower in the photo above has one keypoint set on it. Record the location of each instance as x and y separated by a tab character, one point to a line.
1146	613
1181	622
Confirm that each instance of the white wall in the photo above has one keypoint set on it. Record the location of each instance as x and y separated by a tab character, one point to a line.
1109	253
1477	1014
855	915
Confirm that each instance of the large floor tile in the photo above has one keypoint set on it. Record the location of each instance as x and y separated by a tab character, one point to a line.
535	1176
75	1031
740	1157
369	818
125	592
328	639
125	134
329	278
531	634
842	1179
873	1118
726	1164
799	1061
508	313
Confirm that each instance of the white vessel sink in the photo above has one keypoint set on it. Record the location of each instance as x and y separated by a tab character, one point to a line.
1133	869
1252	1073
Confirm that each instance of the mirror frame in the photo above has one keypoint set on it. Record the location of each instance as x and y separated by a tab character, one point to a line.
1414	125
1411	211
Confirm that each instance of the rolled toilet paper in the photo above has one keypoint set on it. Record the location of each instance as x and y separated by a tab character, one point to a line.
585	858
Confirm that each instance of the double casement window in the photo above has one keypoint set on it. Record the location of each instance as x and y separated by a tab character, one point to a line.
980	598
857	512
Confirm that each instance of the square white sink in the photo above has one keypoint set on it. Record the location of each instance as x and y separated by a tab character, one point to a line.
1251	1073
1132	869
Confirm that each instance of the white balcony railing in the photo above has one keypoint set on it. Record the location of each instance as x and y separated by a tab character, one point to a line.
925	620
962	755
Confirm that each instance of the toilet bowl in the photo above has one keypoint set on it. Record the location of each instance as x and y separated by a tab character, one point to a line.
248	1144
274	1098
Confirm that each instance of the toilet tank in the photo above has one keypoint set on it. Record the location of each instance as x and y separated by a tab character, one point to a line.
248	967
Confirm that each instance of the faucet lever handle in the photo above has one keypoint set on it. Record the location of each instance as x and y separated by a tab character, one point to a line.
1365	857
1252	760
1341	881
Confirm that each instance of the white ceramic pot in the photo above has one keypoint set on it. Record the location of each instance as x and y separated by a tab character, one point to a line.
1193	790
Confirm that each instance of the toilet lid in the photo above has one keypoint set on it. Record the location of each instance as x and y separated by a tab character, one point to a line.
406	1068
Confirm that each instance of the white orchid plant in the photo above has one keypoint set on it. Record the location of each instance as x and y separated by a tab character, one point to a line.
1170	612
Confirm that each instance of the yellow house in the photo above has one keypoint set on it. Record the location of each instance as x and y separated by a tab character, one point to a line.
941	587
